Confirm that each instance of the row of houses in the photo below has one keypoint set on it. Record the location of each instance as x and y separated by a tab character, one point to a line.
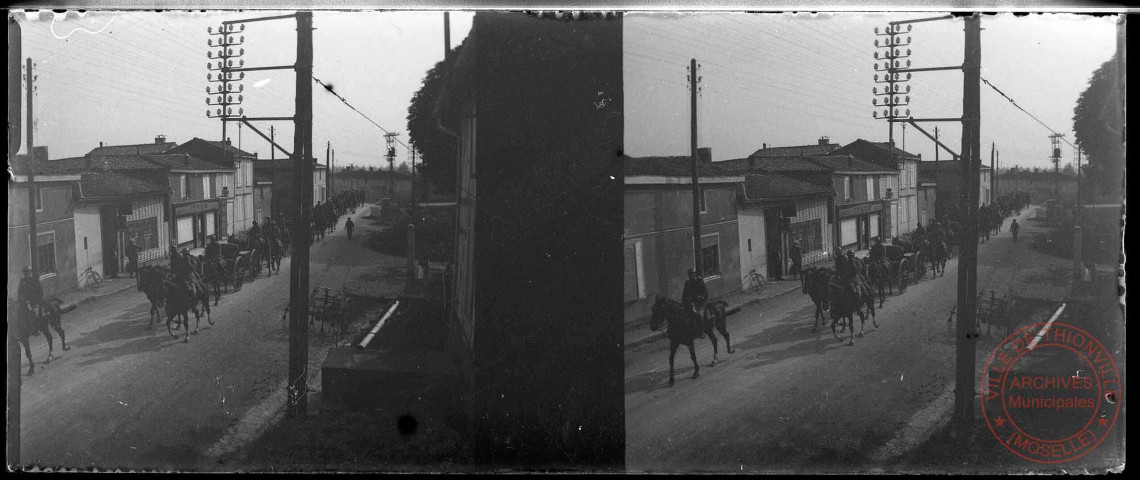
753	209
89	208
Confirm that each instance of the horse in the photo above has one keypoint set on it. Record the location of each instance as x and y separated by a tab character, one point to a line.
150	283
938	255
181	297
30	322
683	326
848	298
213	271
879	275
814	283
275	251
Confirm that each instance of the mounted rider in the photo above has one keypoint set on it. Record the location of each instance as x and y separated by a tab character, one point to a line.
878	251
934	232
255	230
31	292
694	296
919	233
271	231
213	249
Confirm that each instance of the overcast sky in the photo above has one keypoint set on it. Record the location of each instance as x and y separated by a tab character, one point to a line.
787	79
125	77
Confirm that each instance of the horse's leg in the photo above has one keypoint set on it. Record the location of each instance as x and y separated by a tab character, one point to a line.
693	356
58	327
672	354
28	352
722	326
851	320
712	338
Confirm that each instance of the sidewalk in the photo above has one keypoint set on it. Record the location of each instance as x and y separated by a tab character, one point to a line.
638	333
110	286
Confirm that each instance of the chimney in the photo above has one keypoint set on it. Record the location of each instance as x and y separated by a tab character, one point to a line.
227	141
765	146
160	139
100	144
704	155
824	141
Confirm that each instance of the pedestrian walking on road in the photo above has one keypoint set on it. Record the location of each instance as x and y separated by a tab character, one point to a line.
132	258
349	227
1014	228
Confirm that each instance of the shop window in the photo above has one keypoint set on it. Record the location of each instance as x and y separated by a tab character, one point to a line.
144	232
808	234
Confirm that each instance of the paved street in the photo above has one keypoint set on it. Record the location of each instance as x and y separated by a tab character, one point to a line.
793	400
129	396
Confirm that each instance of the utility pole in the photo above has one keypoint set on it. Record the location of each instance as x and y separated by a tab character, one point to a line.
1079	202
390	140
1055	139
15	381
993	155
413	170
272	174
966	336
328	159
694	80
937	181
298	383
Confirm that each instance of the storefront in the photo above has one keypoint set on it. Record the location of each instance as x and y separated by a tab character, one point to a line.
195	221
859	224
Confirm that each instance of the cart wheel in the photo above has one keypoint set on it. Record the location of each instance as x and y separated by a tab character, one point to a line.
238	280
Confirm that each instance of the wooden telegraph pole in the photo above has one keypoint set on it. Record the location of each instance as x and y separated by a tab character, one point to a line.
693	81
966	336
298	384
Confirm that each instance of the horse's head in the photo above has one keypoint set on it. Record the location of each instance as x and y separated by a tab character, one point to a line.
658	319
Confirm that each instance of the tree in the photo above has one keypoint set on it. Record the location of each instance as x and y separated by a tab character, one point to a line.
403	168
1098	122
1068	169
437	149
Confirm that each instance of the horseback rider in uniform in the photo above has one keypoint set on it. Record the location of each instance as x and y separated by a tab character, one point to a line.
255	230
878	251
213	250
693	298
934	232
31	292
919	233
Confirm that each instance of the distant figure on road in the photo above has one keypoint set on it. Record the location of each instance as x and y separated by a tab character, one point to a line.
693	297
1014	228
349	227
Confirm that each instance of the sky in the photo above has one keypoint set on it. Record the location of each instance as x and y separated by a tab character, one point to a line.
789	79
126	77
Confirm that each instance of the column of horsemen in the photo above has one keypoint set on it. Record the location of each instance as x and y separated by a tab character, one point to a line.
183	285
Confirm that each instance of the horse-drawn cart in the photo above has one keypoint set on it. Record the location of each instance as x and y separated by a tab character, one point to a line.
994	311
901	264
238	264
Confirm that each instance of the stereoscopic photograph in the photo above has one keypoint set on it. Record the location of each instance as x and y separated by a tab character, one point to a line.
462	238
873	242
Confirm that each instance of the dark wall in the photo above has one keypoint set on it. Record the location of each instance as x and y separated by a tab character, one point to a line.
548	351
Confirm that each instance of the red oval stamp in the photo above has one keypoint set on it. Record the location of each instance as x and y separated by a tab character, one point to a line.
1050	392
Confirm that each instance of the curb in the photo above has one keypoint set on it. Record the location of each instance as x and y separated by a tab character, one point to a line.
67	307
732	309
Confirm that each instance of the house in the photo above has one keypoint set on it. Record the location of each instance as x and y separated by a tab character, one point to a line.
55	248
862	192
279	173
902	198
535	107
927	201
236	189
823	146
262	195
658	238
114	208
776	210
159	145
947	176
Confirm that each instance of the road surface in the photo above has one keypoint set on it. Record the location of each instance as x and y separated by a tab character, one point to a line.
129	396
792	400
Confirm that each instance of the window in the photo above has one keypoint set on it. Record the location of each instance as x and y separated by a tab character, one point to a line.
206	187
39	199
870	188
710	255
144	232
807	233
184	186
848	186
248	173
45	253
704	200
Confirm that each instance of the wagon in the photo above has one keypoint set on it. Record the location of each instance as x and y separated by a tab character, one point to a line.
994	310
901	264
238	263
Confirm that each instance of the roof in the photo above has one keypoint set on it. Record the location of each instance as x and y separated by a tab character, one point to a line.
796	151
848	163
220	146
105	163
671	167
19	166
137	149
884	146
772	164
113	184
184	162
762	186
